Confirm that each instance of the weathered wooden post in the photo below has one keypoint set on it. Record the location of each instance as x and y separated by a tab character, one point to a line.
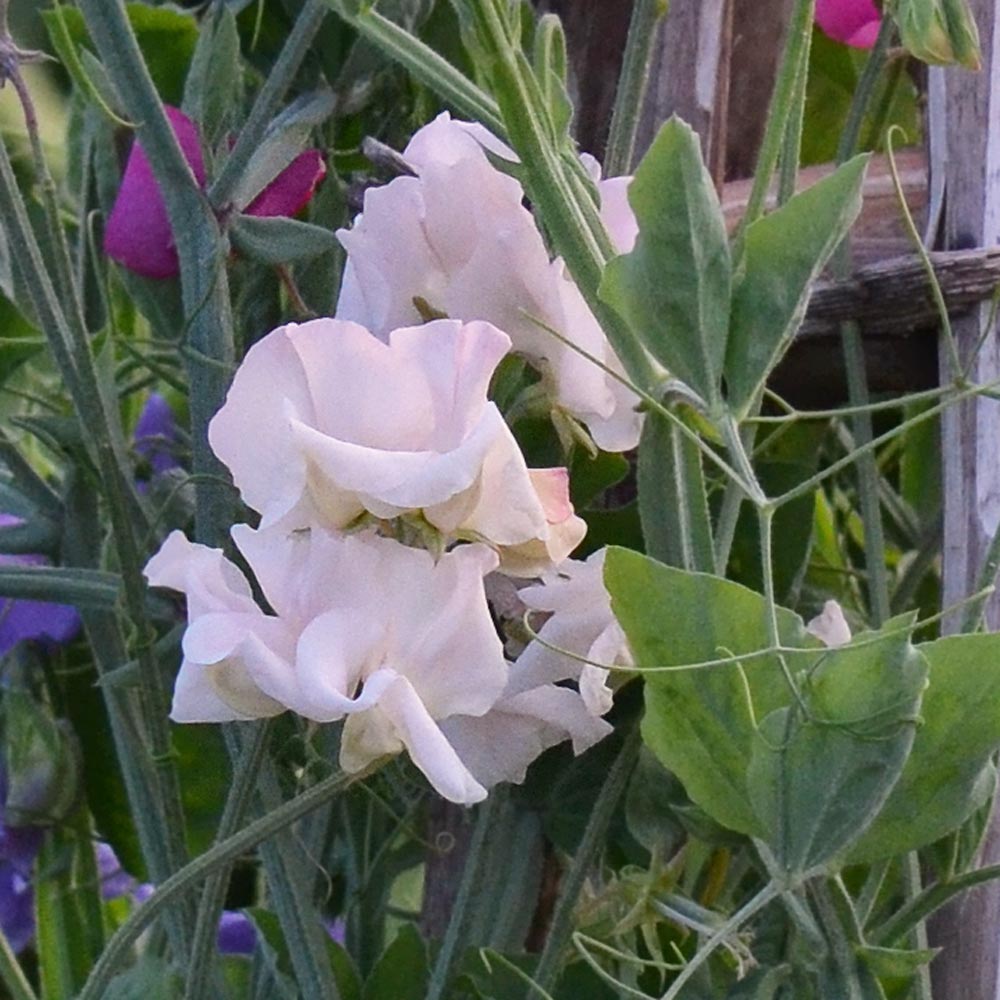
968	121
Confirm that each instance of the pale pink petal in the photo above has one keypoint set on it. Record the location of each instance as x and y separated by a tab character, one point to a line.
830	626
428	747
250	433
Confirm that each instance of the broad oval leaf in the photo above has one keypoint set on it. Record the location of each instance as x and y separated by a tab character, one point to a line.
784	253
818	780
942	783
673	289
277	240
701	724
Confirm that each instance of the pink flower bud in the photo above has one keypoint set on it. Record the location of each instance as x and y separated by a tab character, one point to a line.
138	233
853	22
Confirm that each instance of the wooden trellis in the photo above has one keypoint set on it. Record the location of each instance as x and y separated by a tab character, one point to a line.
705	45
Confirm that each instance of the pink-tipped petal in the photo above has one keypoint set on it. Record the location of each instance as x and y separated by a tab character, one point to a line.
138	233
293	188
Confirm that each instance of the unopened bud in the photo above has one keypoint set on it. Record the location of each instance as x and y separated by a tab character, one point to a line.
42	763
940	32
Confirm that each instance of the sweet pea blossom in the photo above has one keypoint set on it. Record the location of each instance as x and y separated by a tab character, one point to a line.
138	233
830	626
365	628
457	240
853	22
324	423
581	622
37	621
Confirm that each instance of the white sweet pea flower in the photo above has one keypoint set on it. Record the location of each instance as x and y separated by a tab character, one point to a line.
364	628
500	745
458	237
580	622
325	423
830	626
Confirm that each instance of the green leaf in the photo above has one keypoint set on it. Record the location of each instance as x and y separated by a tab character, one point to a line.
63	939
649	807
214	82
943	781
19	340
894	963
784	254
701	724
286	137
68	52
166	36
673	289
591	476
550	66
83	588
401	972
277	240
672	500
817	782
151	978
102	778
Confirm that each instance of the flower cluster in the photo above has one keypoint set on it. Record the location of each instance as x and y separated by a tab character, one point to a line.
456	240
389	487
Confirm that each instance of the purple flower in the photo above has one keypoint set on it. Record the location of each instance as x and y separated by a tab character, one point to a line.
237	934
19	846
155	438
17	905
38	621
138	234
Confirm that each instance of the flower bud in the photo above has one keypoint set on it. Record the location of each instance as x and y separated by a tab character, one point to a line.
42	763
940	32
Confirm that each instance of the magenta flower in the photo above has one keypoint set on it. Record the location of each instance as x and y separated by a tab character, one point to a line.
853	22
138	233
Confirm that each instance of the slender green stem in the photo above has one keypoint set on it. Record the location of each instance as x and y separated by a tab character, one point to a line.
426	65
569	213
268	100
812	482
958	373
912	883
561	927
800	28
730	927
972	619
870	890
725	528
72	349
193	874
291	894
894	932
11	973
868	475
632	82
199	982
864	92
792	140
471	876
792	414
202	253
854	358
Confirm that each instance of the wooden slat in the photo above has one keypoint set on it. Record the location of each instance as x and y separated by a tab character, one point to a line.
969	930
